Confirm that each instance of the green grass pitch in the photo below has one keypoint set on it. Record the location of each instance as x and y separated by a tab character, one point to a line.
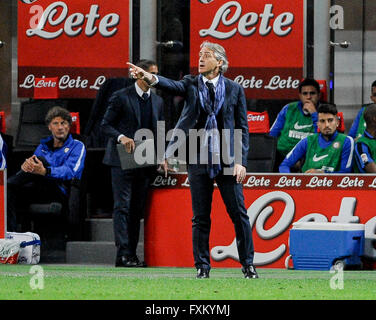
75	282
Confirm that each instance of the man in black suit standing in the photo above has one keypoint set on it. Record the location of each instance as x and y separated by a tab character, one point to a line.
214	104
130	109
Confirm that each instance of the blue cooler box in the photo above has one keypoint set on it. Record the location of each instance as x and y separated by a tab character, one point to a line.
319	245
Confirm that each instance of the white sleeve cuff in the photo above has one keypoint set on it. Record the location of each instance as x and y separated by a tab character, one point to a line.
155	82
119	137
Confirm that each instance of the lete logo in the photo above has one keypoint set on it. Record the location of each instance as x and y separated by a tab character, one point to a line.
231	13
260	211
73	24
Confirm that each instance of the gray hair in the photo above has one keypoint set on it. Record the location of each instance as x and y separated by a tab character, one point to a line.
219	53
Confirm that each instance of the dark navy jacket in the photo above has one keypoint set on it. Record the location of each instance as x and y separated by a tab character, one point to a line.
123	116
234	111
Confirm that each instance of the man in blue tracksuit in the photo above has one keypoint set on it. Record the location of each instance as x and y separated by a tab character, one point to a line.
45	177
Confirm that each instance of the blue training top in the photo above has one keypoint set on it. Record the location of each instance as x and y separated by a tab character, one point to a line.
66	162
360	149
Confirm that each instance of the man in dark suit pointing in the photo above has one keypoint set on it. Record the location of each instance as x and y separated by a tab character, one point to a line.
213	104
130	109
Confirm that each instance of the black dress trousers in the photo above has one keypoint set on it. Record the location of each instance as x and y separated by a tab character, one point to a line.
130	191
201	186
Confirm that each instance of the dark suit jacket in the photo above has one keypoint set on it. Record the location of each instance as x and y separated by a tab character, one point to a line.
123	116
95	136
234	110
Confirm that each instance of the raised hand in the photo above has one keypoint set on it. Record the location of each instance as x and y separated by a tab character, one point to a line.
139	73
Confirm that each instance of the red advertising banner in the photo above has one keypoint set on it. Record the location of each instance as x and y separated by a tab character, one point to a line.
80	42
274	202
258	122
264	41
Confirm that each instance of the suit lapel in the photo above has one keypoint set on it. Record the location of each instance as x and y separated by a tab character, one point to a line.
154	109
228	92
197	94
135	105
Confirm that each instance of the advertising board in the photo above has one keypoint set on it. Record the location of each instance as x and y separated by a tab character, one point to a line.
263	39
274	202
78	41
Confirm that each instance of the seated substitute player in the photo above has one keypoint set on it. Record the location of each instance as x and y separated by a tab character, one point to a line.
297	120
326	152
359	124
365	147
45	177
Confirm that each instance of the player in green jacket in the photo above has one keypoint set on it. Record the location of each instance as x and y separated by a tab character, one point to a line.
326	152
365	148
359	124
297	120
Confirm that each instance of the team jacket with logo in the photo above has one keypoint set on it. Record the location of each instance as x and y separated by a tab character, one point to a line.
359	125
365	152
291	126
66	162
333	156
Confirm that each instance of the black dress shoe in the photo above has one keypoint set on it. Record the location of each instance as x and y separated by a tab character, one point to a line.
139	264
250	272
202	273
125	262
129	262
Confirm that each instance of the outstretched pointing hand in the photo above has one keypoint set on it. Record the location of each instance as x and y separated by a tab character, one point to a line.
136	72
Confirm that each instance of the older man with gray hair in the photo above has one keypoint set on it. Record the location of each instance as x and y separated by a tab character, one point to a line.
213	103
